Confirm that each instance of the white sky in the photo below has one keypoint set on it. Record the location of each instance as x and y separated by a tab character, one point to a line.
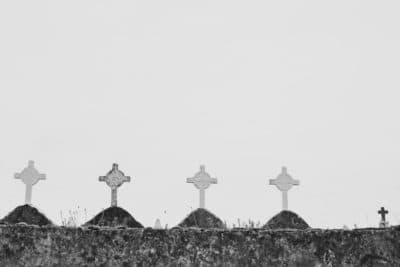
244	87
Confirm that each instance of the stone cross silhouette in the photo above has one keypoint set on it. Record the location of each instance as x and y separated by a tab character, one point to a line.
383	213
284	182
202	181
114	179
29	176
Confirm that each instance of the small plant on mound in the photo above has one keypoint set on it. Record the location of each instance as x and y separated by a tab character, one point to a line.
74	218
249	224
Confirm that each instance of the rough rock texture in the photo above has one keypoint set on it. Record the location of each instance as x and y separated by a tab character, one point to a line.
114	217
286	220
202	218
26	214
59	246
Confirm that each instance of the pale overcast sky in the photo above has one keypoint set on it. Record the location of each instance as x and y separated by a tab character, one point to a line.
244	87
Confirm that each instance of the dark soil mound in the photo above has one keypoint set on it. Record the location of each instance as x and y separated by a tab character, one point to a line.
114	217
26	214
286	220
202	218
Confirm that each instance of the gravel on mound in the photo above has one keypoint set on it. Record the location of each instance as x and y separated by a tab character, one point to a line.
202	218
114	217
26	214
286	220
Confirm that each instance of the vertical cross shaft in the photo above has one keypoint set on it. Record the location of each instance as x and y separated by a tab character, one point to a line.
28	194
202	200
114	197
285	200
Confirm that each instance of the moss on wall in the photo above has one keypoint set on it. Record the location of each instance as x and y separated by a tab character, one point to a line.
50	245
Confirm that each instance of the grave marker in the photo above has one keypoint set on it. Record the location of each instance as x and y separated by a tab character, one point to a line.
383	223
202	180
29	176
284	183
114	179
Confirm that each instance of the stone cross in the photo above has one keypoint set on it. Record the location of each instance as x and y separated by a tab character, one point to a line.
383	223
29	176
383	213
284	182
202	181
114	179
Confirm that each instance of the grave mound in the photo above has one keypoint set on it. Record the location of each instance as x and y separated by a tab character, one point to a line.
26	214
202	218
114	217
286	220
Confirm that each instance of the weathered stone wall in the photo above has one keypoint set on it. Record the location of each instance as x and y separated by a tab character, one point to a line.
58	246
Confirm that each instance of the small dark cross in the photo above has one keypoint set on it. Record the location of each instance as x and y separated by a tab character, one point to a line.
383	213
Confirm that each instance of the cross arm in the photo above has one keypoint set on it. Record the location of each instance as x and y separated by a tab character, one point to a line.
41	176
213	180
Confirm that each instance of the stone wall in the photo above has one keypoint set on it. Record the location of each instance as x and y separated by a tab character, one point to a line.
51	245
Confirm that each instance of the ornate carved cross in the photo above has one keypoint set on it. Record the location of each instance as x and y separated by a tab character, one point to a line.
114	179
